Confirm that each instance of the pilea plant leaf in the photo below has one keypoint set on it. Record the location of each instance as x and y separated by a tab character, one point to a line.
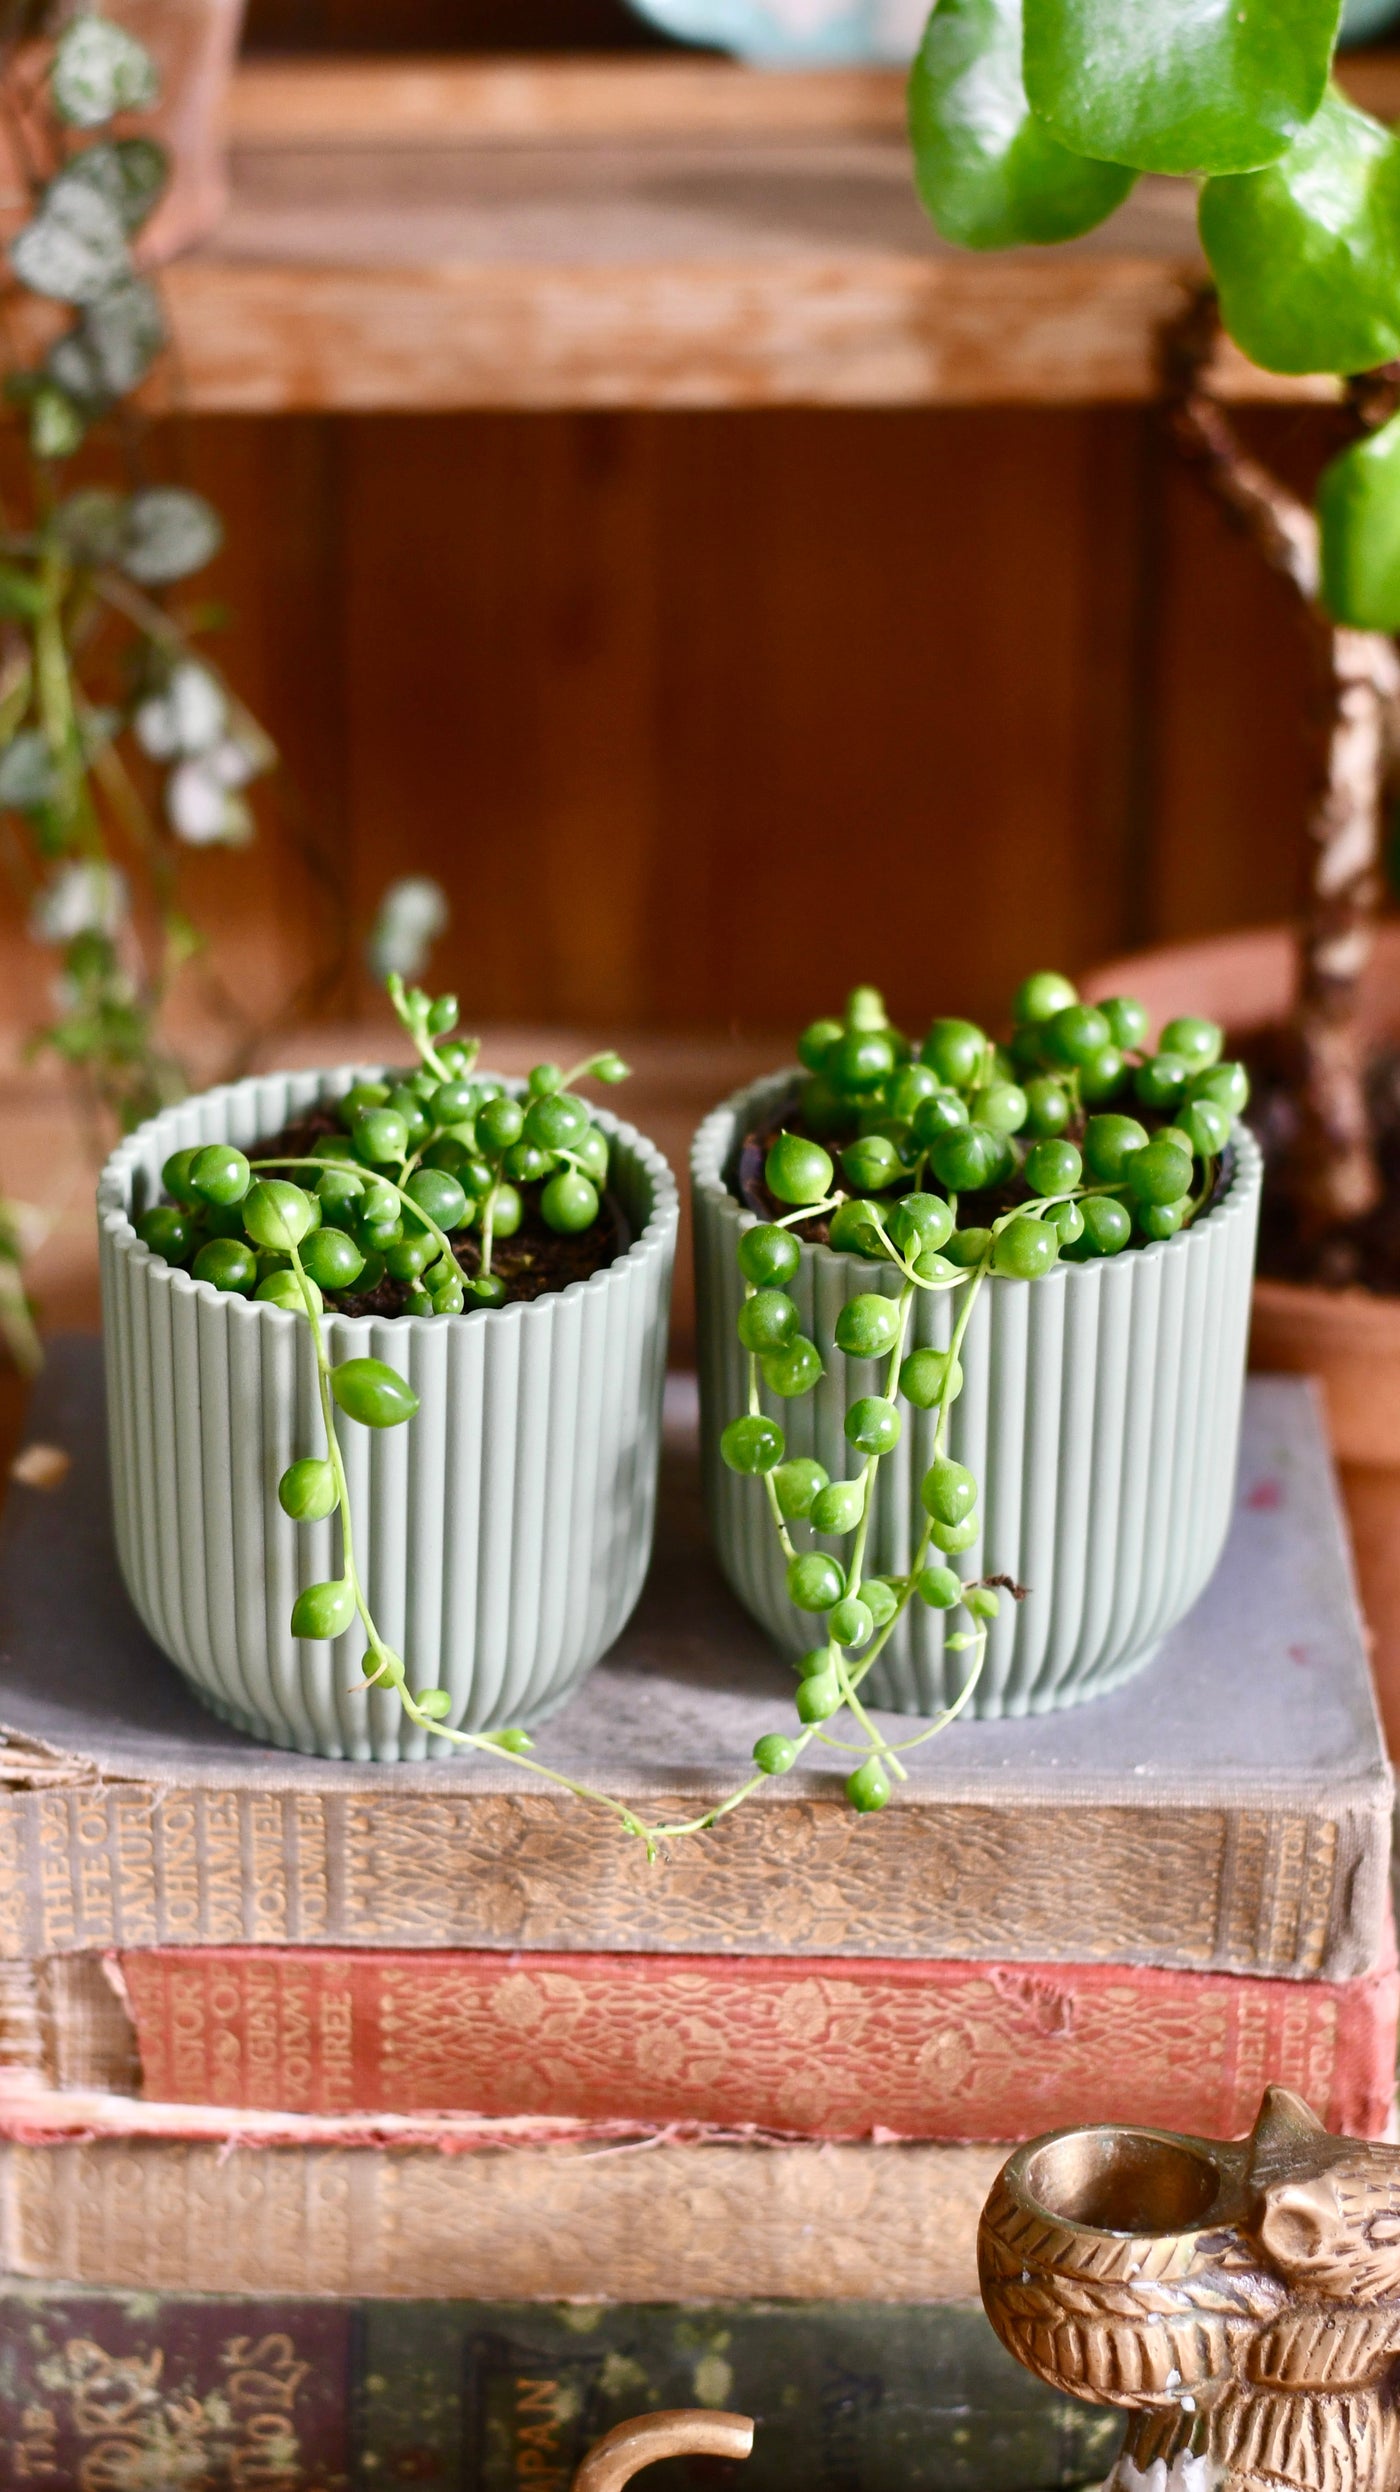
1358	507
1179	86
988	172
1306	252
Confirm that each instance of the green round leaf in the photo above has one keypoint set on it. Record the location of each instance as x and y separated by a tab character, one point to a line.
1178	86
322	1612
1358	505
278	1215
372	1392
1306	252
988	173
307	1490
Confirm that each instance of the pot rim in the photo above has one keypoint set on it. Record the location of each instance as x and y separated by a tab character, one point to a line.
115	1221
714	1137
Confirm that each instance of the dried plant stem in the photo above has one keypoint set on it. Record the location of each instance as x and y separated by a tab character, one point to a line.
1332	1174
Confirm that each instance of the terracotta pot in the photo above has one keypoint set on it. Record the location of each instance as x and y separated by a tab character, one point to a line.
1346	1337
193	43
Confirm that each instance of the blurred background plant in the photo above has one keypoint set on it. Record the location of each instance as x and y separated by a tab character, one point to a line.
121	745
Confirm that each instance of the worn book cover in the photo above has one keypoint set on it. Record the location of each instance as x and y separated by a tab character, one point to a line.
109	2389
823	2045
94	2190
1228	1810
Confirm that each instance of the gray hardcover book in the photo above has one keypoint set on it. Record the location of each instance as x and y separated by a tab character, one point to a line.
1228	1809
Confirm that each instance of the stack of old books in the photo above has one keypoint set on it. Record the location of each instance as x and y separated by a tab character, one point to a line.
390	2124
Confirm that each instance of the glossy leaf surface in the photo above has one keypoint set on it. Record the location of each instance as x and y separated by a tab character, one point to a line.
1358	505
989	174
1306	253
1179	86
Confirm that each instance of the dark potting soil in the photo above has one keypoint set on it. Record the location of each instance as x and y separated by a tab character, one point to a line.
975	1211
1365	1254
535	1260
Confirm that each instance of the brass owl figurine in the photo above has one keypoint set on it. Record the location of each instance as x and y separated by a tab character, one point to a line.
1241	2301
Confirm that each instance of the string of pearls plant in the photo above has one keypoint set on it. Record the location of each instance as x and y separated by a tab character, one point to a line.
422	1165
428	1173
1035	1142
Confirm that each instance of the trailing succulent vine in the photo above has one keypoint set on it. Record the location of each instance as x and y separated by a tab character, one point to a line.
427	1175
119	744
959	1160
1031	121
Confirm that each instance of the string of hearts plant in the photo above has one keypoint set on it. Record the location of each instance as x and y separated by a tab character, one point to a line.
120	745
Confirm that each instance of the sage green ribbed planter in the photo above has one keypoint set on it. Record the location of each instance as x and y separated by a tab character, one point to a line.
1100	1414
505	1531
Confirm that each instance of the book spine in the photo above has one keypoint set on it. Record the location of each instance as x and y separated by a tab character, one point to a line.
305	2396
635	2220
94	1865
820	2046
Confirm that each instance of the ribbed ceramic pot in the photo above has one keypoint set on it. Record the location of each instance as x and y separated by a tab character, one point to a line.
1100	1414
503	1533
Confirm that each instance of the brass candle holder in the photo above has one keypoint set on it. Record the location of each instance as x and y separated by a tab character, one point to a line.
1242	2302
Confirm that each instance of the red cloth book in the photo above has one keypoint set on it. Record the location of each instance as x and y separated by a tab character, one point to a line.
818	2047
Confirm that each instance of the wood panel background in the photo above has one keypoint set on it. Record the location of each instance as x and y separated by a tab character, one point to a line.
700	718
448	26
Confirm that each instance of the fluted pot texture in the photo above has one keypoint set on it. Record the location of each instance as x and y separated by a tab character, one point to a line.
503	1533
1100	1415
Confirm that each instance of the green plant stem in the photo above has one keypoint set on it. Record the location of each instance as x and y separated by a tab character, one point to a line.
854	1575
388	1665
54	687
488	1226
964	1317
872	1461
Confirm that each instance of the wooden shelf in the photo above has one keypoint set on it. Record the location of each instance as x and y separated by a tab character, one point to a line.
636	233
